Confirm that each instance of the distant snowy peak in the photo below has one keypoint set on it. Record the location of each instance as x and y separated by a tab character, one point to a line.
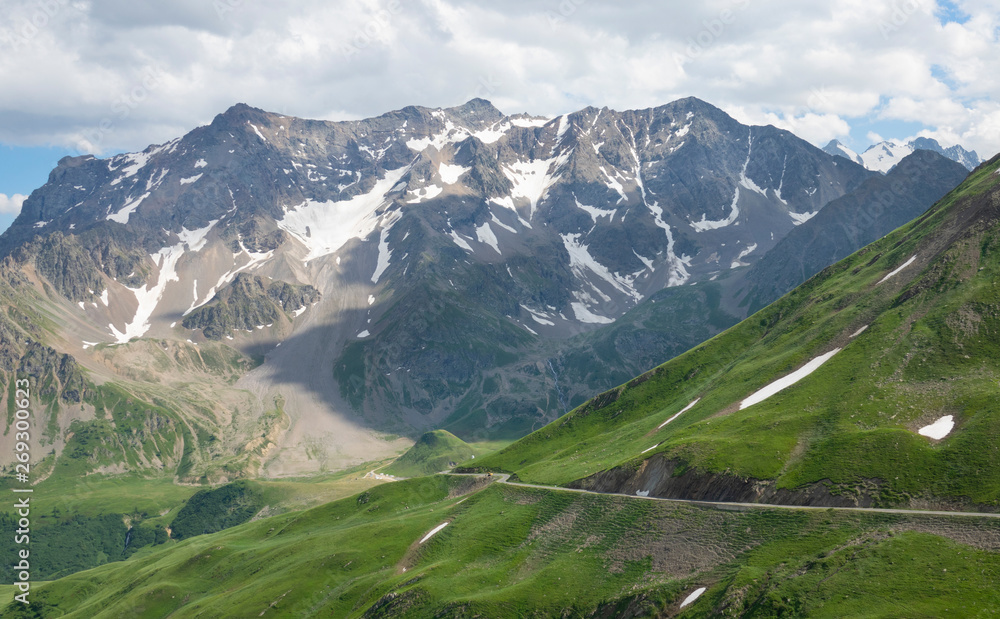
839	150
968	158
884	156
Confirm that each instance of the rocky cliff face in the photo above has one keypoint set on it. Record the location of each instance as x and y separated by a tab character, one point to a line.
249	303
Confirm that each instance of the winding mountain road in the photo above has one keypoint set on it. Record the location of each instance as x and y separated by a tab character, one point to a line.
504	478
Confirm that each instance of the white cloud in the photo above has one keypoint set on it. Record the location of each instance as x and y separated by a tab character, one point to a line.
116	74
11	205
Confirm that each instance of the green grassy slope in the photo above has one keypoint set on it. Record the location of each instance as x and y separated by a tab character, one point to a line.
931	348
80	523
518	552
433	452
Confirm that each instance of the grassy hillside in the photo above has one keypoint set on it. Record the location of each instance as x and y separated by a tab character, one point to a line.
516	552
930	347
434	452
85	522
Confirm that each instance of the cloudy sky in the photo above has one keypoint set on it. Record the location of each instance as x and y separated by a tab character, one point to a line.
106	76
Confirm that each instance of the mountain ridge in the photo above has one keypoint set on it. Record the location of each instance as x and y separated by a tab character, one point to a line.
885	155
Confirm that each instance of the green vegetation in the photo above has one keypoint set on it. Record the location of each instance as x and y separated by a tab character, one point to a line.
209	511
64	545
929	350
512	552
879	574
80	523
434	452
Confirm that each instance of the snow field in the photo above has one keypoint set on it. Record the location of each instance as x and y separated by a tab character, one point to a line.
324	227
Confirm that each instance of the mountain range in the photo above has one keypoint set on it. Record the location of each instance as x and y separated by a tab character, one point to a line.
883	156
272	295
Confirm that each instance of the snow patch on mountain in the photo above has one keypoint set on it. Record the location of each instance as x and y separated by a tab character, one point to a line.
452	134
583	314
461	242
425	193
433	531
743	254
800	218
493	133
745	181
897	271
419	144
257	131
148	297
677	264
485	235
129	164
532	179
191	179
495	220
789	380
707	224
694	596
646	261
384	251
153	183
508	203
254	261
595	212
682	411
123	214
324	227
614	185
580	261
538	317
451	173
939	429
530	122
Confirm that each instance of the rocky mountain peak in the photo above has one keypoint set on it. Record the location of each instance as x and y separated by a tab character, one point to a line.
477	113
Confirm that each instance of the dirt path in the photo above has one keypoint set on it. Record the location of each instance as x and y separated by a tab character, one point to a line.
505	479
